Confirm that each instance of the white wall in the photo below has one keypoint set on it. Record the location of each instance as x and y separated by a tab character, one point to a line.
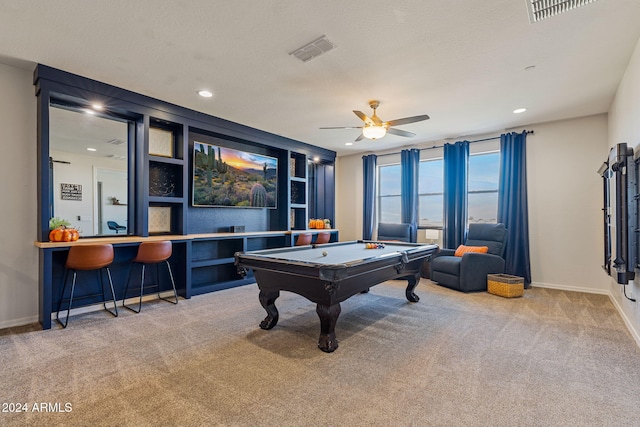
565	203
624	126
565	217
18	193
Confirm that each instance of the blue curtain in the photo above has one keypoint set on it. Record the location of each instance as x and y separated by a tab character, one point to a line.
409	163
456	168
512	203
369	197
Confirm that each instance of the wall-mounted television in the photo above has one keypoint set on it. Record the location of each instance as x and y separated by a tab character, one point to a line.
227	177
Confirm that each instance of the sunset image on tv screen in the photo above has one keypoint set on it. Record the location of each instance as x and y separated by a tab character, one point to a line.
227	177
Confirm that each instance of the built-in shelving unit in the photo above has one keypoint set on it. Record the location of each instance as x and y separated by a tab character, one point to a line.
159	167
167	178
213	258
298	217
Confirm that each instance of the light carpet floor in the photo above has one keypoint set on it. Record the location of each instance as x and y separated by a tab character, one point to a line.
550	358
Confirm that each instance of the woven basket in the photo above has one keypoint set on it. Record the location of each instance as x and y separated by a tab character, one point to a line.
505	285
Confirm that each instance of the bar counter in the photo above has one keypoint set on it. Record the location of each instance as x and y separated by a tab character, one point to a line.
201	263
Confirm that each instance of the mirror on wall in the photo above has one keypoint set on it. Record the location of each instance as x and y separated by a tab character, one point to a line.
89	171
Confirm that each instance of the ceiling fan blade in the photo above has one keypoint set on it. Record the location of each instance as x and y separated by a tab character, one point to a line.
401	132
364	117
407	120
360	138
342	127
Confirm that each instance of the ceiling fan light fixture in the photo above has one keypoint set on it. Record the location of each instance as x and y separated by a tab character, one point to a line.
374	132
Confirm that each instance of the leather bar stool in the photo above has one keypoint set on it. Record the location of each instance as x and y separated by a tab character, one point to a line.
323	237
87	258
304	239
152	253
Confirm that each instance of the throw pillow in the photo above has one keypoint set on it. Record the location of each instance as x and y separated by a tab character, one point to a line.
462	249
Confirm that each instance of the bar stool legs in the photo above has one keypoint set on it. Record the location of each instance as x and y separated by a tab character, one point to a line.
174	300
152	253
89	257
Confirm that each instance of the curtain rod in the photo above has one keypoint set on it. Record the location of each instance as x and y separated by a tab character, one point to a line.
440	146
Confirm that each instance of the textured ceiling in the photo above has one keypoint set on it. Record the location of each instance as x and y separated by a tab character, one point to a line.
460	61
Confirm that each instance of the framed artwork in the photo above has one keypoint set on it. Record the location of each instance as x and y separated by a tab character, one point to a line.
159	219
160	142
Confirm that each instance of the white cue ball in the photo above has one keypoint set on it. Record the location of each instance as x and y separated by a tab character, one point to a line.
324	253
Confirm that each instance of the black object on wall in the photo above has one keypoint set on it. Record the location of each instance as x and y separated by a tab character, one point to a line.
620	213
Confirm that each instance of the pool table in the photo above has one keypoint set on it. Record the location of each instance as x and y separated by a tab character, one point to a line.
329	274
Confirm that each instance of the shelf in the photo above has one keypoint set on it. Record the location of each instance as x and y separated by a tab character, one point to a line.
211	250
205	288
167	160
166	200
165	141
165	179
298	192
297	165
214	275
212	262
297	179
258	243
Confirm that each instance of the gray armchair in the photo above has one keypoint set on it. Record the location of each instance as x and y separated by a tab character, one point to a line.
394	232
468	273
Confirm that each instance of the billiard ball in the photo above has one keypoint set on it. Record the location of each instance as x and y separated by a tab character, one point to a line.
324	253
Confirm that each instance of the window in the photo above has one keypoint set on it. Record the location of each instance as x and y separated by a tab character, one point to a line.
484	171
389	185
430	193
482	195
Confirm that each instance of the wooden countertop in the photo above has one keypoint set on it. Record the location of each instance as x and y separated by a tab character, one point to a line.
173	237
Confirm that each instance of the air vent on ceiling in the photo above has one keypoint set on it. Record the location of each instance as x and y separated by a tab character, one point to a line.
116	157
542	9
313	49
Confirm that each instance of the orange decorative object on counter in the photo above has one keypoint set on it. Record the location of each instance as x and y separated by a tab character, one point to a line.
64	234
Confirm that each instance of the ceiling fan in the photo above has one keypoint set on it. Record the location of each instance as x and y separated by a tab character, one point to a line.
374	128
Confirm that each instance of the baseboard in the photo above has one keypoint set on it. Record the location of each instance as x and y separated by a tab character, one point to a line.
18	322
570	288
630	326
632	330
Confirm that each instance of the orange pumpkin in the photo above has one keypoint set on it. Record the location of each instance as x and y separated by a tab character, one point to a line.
55	235
64	234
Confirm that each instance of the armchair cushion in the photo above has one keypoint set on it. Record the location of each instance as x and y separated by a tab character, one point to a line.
462	249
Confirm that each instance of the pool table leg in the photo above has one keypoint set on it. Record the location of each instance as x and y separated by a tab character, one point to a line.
328	315
413	282
268	299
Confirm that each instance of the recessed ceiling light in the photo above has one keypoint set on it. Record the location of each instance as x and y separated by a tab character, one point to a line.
205	93
98	107
519	110
88	111
348	143
91	149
